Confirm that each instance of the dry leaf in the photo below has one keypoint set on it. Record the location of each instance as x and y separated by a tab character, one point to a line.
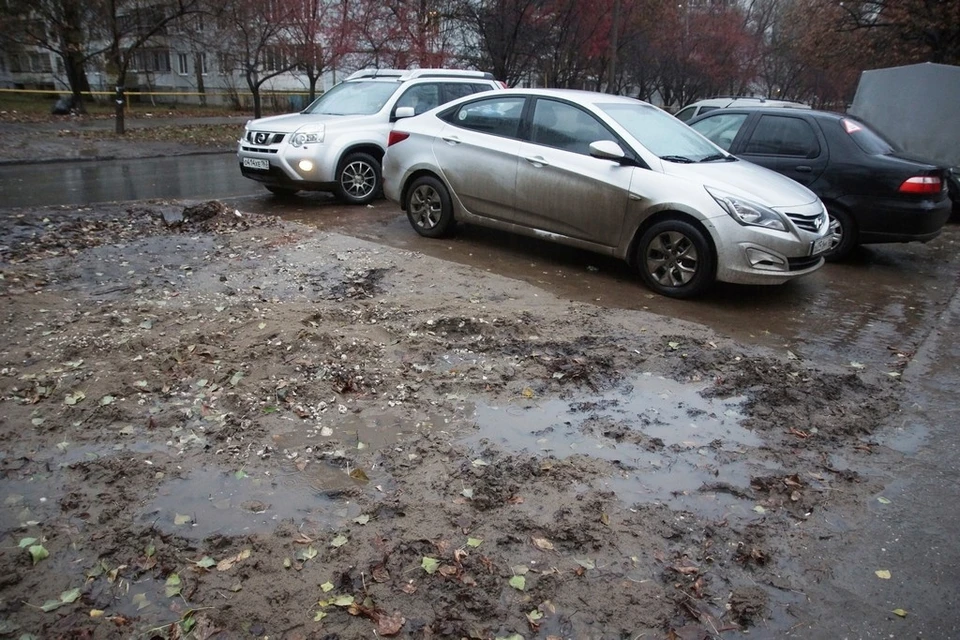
543	544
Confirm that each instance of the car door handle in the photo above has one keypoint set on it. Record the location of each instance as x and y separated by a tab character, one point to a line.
451	140
538	161
804	168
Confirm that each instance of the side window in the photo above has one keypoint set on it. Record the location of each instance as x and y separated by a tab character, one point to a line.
720	128
498	116
685	114
783	136
454	90
422	97
563	126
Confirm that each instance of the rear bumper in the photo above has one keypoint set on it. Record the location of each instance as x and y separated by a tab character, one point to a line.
886	220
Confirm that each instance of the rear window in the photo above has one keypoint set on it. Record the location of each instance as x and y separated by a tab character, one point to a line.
868	140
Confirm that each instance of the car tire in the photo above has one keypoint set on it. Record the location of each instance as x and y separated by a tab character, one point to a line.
358	179
282	192
429	207
675	259
845	234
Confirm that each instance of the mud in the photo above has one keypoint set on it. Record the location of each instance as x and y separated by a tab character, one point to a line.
227	426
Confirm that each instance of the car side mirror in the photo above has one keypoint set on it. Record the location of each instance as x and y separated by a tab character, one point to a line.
607	150
404	112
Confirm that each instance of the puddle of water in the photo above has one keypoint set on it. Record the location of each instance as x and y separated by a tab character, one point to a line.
29	501
212	501
667	440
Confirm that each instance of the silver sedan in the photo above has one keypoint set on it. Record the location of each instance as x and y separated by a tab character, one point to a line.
609	174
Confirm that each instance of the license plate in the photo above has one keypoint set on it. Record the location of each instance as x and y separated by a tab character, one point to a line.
821	244
256	163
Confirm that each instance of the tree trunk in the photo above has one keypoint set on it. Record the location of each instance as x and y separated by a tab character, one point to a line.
77	78
198	69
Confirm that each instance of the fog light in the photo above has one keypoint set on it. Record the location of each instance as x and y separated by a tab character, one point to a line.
760	259
305	165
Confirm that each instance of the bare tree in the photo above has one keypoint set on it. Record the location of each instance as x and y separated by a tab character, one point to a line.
256	39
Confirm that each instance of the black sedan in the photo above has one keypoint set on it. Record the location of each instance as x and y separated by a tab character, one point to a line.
873	192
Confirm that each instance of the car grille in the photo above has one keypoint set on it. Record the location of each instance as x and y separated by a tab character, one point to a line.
258	149
799	264
807	222
262	138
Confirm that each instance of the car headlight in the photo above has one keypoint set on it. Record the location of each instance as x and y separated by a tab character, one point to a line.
307	134
747	212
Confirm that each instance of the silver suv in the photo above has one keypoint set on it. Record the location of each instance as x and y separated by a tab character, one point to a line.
337	143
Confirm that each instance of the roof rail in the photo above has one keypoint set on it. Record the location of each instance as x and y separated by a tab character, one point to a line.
446	73
376	73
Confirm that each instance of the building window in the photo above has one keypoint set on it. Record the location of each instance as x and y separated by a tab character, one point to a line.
151	60
202	59
182	64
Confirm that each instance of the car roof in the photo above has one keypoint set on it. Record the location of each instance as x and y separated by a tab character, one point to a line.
576	95
791	111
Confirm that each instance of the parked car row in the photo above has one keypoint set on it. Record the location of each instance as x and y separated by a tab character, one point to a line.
605	173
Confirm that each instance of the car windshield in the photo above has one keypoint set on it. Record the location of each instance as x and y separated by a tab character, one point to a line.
661	133
353	99
869	141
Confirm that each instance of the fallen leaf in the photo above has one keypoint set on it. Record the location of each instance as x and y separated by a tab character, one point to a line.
320	615
527	392
235	587
534	616
857	365
326	586
205	562
26	542
140	599
883	574
467	493
96	613
390	625
429	564
586	563
173	585
307	554
50	605
480	463
474	542
105	400
241	474
359	474
180	519
543	544
339	541
38	552
883	500
342	601
518	582
74	398
235	378
759	509
673	345
900	612
70	596
362	519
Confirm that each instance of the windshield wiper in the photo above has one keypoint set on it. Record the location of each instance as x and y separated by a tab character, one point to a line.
680	159
718	156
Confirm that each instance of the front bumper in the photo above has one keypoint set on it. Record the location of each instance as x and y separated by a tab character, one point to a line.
284	168
753	255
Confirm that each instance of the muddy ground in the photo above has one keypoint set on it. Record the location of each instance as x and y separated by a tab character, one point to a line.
222	425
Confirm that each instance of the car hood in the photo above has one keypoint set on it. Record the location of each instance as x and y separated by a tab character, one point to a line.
292	121
745	179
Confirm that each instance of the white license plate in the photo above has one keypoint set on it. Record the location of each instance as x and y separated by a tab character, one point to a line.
256	163
821	244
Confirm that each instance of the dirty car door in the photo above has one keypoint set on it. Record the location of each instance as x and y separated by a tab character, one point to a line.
560	187
788	145
477	151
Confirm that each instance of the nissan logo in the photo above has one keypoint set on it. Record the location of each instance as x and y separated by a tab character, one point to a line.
261	138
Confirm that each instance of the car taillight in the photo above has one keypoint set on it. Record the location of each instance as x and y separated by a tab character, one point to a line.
921	184
396	136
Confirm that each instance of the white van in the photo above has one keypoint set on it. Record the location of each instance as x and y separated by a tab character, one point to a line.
693	110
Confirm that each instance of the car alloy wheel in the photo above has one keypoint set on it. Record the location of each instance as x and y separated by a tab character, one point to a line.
843	234
429	208
675	259
359	179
